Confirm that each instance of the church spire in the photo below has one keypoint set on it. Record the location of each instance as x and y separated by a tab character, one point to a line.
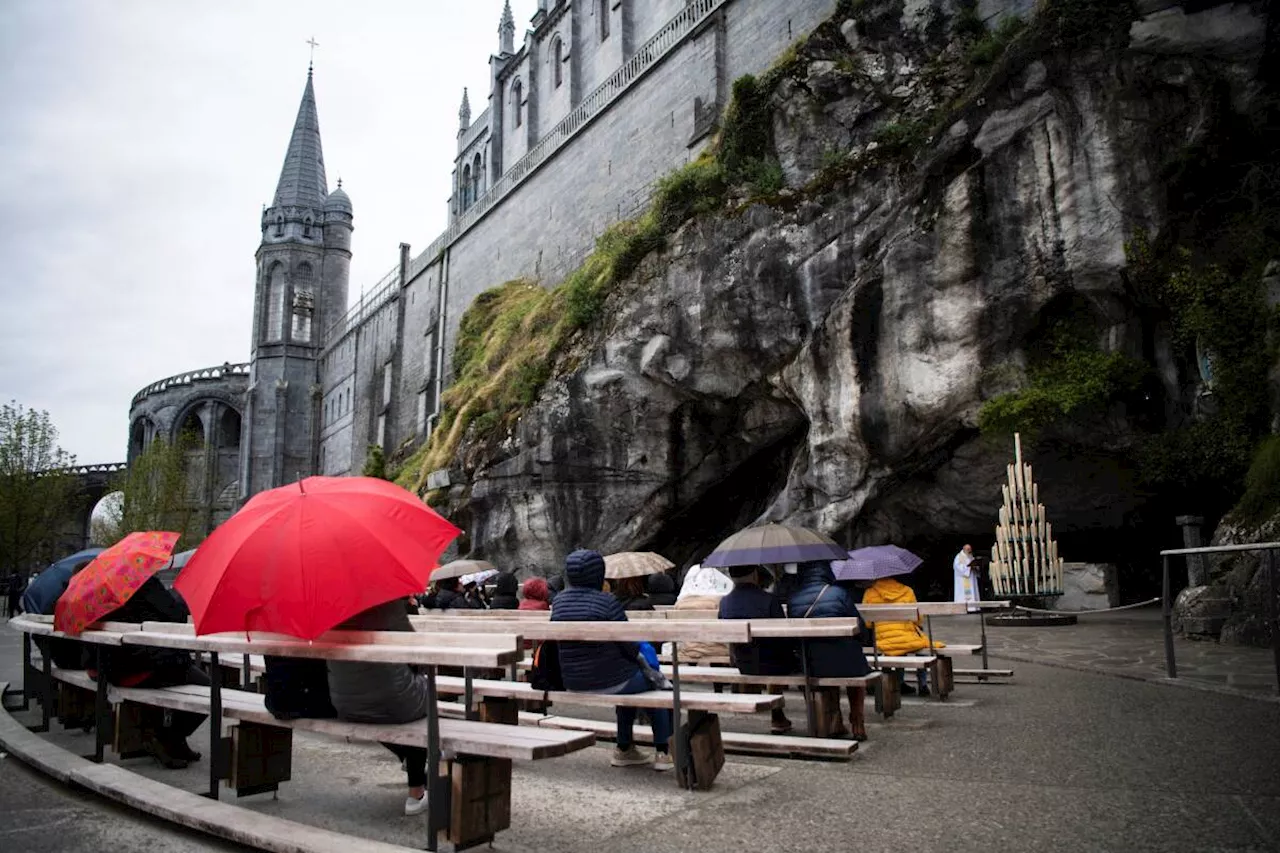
507	31
464	112
302	179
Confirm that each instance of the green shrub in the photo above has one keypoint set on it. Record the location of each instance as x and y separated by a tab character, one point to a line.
992	45
1261	498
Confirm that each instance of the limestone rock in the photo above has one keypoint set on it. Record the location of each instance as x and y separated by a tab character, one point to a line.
1086	586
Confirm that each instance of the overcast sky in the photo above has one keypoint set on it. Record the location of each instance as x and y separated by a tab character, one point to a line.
139	140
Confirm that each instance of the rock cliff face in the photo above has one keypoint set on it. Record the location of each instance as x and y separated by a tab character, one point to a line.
822	358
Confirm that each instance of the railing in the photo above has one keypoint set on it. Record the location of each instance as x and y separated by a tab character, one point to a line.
87	470
479	126
1268	550
369	302
653	51
219	372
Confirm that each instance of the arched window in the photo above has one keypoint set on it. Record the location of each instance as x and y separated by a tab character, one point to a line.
279	226
306	227
557	58
602	8
303	303
465	190
517	95
275	304
477	170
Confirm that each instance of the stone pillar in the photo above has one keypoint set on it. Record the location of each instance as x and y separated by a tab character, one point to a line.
1197	568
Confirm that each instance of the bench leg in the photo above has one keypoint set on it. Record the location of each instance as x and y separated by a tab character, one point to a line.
706	752
479	799
944	677
132	722
498	710
30	675
826	712
261	758
75	706
103	720
46	691
889	692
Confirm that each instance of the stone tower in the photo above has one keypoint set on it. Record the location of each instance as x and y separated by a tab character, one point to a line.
303	267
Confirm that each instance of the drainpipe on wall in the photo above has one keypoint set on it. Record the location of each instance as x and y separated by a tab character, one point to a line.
441	316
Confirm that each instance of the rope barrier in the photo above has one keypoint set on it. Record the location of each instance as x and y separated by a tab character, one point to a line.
1089	612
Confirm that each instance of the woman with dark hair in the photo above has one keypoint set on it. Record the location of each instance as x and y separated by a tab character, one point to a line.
504	593
630	594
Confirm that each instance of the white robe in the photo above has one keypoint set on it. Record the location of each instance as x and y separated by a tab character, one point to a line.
966	579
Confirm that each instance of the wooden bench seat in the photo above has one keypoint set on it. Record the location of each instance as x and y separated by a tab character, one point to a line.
712	703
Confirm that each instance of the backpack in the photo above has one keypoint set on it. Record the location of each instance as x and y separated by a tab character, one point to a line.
297	687
545	674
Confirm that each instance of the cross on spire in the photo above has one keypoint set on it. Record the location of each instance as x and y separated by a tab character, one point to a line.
312	61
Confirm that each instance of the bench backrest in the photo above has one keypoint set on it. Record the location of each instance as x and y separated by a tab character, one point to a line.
712	631
889	612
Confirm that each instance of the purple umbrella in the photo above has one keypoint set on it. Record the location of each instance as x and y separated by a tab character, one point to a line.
878	561
772	544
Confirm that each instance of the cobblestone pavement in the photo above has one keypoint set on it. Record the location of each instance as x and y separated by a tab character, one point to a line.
1127	643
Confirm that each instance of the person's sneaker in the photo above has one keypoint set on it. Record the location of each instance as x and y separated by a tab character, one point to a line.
908	690
780	727
631	757
662	762
414	806
182	750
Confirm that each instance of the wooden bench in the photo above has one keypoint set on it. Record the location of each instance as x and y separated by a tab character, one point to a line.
469	804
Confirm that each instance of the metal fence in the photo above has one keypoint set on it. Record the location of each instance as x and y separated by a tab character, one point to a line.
1268	550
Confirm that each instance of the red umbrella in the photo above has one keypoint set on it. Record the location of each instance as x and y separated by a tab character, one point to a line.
300	559
112	579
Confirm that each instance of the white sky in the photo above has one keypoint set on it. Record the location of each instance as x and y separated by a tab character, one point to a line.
139	140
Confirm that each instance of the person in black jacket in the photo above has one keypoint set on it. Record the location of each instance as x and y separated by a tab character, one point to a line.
819	597
606	667
448	596
141	666
504	593
662	589
759	657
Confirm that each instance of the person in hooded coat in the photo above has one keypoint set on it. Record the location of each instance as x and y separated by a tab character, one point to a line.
504	593
662	590
536	595
899	638
448	596
606	667
384	693
818	597
702	589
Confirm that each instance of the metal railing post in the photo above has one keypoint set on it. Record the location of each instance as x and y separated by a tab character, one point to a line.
1171	665
1269	561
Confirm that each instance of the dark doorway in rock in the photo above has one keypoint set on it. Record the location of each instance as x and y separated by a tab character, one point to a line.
729	505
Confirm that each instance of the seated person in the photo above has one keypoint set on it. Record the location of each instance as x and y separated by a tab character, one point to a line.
702	589
384	693
759	657
504	592
630	594
818	597
896	639
537	596
661	589
42	597
606	667
142	666
448	596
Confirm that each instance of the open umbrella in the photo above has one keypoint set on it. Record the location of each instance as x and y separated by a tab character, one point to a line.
299	559
112	579
458	568
877	561
635	564
479	577
774	543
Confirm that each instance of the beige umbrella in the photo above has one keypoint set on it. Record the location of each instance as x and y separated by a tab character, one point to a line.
635	564
458	568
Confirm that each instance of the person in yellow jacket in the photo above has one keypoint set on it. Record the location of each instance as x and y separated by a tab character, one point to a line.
895	639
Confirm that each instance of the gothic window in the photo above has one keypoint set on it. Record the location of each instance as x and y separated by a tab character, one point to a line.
517	95
279	226
382	431
386	384
602	7
477	170
275	304
557	57
422	412
303	303
306	227
465	190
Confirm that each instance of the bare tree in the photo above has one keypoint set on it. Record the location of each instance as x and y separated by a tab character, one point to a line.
35	491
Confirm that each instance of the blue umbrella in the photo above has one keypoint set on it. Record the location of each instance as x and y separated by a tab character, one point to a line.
878	561
43	592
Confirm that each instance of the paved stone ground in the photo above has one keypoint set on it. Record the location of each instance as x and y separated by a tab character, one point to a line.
1128	643
1056	760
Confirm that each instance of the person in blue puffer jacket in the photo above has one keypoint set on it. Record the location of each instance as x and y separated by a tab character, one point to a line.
606	667
818	597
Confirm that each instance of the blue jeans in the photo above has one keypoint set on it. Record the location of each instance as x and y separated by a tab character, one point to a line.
659	718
